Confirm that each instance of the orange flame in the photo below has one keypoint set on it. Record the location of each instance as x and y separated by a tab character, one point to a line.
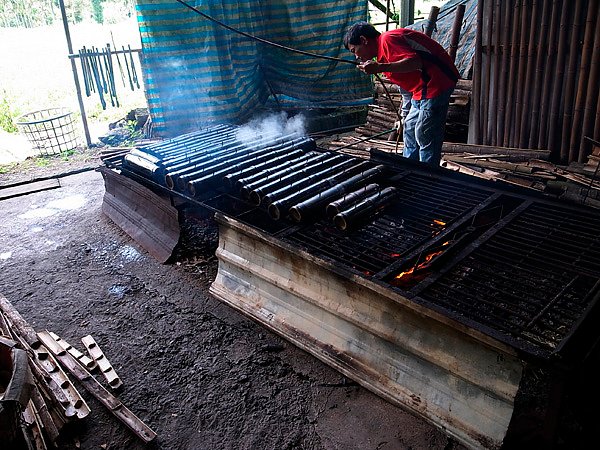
424	263
439	222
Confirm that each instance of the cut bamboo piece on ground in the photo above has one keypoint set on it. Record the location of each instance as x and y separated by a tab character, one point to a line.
113	404
103	363
87	362
42	362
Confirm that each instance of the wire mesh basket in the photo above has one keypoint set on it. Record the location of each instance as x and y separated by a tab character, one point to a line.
50	130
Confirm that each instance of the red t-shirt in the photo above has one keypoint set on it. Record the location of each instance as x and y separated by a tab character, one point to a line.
439	72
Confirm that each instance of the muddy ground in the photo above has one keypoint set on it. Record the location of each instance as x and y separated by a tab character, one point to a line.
197	372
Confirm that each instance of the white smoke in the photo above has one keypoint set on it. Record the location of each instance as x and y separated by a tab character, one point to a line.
274	125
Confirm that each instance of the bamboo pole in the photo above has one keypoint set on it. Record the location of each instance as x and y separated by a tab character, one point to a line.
493	107
592	88
431	20
456	28
552	138
569	89
525	113
549	74
506	27
521	74
486	66
511	73
476	116
581	92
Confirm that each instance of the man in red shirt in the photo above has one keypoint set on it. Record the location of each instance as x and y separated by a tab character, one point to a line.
419	65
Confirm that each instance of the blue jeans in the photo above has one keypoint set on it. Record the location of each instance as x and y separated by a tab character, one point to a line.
424	129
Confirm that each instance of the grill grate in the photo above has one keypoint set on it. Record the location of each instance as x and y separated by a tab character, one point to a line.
422	209
531	280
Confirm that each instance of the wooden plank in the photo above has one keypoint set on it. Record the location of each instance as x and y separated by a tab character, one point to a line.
111	402
29	188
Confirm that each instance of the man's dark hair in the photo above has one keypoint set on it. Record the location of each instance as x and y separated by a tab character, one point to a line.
357	30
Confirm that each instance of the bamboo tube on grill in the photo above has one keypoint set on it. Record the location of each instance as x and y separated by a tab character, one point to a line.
503	74
366	208
311	205
352	198
476	117
282	174
568	92
521	74
277	194
553	126
241	183
539	71
510	99
592	89
281	206
584	72
257	194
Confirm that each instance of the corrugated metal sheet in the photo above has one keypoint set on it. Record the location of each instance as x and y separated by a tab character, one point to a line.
197	72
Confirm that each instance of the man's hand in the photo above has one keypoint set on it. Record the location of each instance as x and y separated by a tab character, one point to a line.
369	67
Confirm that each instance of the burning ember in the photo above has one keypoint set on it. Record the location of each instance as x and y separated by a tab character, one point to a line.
423	264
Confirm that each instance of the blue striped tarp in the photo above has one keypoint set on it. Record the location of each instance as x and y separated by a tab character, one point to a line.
197	72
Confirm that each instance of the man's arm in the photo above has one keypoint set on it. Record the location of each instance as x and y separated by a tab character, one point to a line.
404	65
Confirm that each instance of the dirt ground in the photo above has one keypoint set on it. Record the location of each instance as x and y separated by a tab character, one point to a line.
197	372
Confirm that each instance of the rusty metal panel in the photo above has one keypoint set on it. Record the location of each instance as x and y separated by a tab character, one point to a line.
463	383
149	218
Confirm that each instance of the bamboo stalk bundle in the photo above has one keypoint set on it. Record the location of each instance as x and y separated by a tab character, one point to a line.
550	71
503	72
569	89
552	137
539	72
581	92
487	64
523	117
511	71
475	125
497	38
592	89
521	74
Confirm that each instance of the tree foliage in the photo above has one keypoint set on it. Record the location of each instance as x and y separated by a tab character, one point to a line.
35	13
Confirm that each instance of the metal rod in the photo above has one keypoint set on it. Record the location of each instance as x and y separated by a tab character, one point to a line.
84	121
